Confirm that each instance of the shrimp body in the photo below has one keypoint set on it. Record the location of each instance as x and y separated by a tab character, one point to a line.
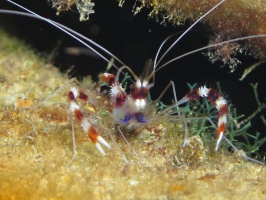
135	105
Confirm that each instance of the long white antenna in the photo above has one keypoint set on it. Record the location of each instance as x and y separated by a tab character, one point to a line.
66	30
210	46
181	36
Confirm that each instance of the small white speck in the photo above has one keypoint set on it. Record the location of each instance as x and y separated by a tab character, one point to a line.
133	182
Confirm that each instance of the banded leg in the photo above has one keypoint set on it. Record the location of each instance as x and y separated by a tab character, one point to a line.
85	124
216	100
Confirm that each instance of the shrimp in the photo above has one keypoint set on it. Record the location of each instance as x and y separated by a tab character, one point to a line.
133	106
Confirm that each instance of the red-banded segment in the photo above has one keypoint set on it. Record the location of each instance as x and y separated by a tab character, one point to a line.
85	124
107	78
216	100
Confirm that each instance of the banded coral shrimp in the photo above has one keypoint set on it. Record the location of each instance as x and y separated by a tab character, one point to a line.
203	92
